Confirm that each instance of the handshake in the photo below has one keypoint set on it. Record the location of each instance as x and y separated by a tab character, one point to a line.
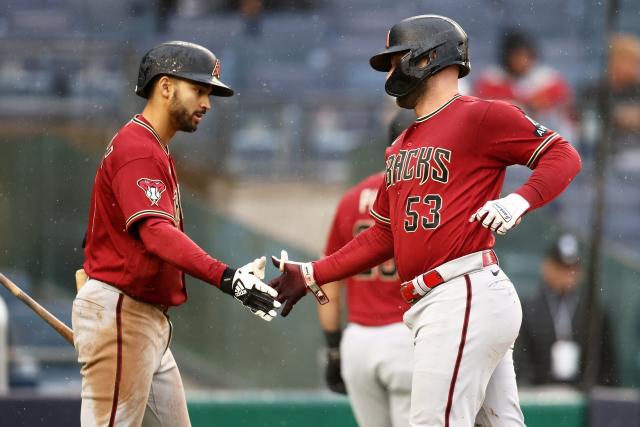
246	285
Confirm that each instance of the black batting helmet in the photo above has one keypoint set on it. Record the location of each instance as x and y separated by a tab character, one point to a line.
181	59
441	38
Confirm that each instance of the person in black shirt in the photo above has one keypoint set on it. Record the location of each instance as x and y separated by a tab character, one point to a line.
548	350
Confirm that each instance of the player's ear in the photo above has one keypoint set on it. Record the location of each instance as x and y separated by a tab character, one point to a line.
165	86
161	88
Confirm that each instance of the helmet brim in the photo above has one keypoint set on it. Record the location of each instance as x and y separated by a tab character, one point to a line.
218	88
221	89
382	61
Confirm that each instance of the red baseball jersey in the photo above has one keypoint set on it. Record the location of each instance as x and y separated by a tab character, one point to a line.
373	297
443	168
136	179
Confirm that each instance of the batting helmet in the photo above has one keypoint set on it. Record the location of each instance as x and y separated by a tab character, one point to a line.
441	38
181	59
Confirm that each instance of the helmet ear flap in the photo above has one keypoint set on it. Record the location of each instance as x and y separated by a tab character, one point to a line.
426	59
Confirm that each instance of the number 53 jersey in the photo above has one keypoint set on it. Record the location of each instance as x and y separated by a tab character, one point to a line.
443	168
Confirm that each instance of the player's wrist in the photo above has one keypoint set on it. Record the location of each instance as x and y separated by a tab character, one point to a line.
520	198
226	283
518	201
306	269
333	339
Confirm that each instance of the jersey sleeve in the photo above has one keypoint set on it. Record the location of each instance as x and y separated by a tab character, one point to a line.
380	209
183	253
143	189
507	136
368	249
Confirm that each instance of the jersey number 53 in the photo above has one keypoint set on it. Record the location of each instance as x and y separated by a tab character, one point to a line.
422	212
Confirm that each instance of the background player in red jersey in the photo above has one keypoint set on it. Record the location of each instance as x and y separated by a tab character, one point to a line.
136	252
374	355
444	174
521	78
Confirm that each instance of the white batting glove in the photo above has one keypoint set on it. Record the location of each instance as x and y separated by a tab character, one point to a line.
247	287
258	267
503	214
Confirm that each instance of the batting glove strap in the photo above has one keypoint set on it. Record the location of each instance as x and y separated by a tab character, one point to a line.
306	269
310	281
226	284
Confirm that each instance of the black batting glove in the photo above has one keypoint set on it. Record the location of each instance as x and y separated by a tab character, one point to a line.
333	372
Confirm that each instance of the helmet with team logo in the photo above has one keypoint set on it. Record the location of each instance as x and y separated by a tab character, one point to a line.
181	59
436	37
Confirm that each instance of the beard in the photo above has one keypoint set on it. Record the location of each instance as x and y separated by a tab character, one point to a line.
181	117
410	100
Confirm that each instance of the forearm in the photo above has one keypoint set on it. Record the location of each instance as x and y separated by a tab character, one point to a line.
370	248
182	253
330	314
553	172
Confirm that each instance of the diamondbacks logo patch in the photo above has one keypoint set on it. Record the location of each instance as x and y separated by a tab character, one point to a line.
216	69
153	189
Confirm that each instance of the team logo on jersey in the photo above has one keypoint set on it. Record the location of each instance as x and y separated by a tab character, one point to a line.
153	189
540	130
216	69
422	164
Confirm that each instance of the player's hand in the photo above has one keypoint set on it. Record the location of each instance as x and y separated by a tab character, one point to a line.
333	373
246	287
503	214
291	284
294	281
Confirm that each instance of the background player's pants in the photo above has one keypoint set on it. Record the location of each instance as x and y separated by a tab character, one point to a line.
376	368
128	372
464	331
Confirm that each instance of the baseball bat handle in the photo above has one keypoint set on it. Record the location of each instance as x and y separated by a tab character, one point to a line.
53	321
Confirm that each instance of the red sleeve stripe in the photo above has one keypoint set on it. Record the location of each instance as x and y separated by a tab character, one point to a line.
379	217
541	148
148	212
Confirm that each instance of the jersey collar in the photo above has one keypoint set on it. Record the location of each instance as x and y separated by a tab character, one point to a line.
139	120
442	107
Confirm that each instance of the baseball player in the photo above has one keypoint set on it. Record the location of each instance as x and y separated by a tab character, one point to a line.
136	252
374	355
435	213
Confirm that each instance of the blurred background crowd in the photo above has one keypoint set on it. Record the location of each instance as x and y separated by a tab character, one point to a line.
267	167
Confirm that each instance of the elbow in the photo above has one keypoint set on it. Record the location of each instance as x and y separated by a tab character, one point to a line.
565	158
149	242
151	246
576	161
